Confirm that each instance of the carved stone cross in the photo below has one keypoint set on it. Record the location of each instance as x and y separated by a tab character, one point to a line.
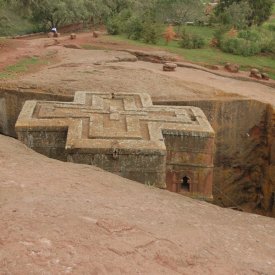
123	133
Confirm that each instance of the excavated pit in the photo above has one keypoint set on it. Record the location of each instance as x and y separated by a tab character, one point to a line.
12	101
244	158
244	165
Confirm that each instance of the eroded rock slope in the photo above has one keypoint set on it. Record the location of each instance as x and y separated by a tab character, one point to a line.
58	218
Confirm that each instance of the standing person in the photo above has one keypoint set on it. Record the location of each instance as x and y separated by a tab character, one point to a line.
54	30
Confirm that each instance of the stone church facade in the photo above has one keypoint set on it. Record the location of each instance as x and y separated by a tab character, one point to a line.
124	133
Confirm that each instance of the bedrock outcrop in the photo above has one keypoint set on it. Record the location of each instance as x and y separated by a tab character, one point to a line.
239	111
61	217
244	160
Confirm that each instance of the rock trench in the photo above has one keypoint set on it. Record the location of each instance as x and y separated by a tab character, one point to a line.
245	156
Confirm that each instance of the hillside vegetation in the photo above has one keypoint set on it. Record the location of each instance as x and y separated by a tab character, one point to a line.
240	32
14	24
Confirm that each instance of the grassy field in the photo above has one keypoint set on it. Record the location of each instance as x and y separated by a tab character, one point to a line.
209	55
21	66
212	56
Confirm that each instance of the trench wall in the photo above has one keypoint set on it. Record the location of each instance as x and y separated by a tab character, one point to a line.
244	171
12	101
244	162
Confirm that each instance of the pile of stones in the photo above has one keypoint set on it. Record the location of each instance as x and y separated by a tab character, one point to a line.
255	73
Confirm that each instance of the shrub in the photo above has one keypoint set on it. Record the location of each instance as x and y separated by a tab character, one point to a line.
267	41
191	41
271	28
251	35
113	26
249	42
5	25
240	46
169	34
218	36
134	28
150	33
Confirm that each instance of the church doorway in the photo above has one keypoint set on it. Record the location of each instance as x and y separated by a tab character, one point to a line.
185	184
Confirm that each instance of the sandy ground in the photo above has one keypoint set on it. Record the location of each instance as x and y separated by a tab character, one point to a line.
63	218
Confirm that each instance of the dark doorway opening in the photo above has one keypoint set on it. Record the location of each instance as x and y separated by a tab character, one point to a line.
185	184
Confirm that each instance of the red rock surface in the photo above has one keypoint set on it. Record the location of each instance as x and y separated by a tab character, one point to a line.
63	218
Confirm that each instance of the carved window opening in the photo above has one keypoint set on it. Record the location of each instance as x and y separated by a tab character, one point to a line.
185	184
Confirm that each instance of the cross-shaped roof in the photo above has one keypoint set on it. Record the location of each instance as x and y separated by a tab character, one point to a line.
127	121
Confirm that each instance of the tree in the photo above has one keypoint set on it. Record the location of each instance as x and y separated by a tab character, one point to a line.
223	4
56	13
21	7
98	11
116	6
236	15
179	11
145	9
260	9
169	34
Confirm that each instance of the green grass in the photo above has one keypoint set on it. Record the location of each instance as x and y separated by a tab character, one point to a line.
208	55
20	67
202	31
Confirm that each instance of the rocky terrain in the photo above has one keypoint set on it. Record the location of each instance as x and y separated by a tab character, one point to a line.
64	218
240	111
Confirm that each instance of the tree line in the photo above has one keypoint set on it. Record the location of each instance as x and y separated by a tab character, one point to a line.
59	12
49	13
